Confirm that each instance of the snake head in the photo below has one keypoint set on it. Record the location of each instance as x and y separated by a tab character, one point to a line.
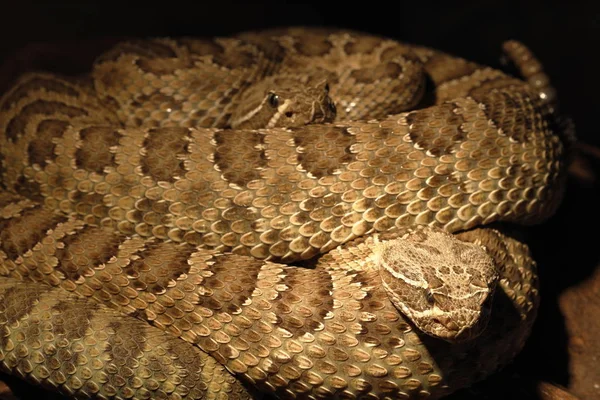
442	284
284	101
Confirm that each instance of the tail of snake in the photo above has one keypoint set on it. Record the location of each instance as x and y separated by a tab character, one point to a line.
150	212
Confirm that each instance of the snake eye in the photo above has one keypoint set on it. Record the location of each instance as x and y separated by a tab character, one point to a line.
331	106
327	87
429	296
273	100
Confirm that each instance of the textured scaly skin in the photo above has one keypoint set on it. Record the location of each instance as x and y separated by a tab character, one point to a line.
331	331
126	204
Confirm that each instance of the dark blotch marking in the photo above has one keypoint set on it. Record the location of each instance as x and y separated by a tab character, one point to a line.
232	283
95	152
438	141
87	249
312	45
162	66
235	60
160	101
377	297
513	113
269	47
29	189
17	125
19	234
88	204
15	303
444	270
199	114
324	148
362	45
153	268
141	48
125	346
491	85
110	103
291	305
444	68
458	269
41	149
391	70
201	47
164	147
72	320
113	78
6	198
35	84
237	156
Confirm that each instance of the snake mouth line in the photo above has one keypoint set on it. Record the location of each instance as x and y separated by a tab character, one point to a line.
447	329
446	323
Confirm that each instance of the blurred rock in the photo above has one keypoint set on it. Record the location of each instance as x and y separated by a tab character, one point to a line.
581	308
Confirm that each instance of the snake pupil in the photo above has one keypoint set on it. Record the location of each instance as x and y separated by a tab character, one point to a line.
331	105
273	100
429	296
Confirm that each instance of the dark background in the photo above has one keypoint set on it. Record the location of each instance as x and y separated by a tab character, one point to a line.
65	36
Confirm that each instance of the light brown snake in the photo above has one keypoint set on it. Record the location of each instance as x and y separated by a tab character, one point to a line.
150	212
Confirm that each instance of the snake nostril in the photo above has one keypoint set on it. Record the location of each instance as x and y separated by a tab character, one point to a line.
289	114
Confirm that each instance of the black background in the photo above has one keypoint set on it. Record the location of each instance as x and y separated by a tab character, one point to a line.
564	35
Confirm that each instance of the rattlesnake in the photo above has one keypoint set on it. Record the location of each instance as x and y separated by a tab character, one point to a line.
149	210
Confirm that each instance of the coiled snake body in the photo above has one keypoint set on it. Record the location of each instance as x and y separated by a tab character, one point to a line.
150	211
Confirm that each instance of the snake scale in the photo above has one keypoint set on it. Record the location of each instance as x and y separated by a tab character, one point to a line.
294	212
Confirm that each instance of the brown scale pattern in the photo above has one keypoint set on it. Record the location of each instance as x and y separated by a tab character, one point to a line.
41	149
436	132
186	85
239	162
17	125
335	142
398	186
23	232
515	115
348	60
341	334
42	130
80	253
163	230
90	350
92	154
164	147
